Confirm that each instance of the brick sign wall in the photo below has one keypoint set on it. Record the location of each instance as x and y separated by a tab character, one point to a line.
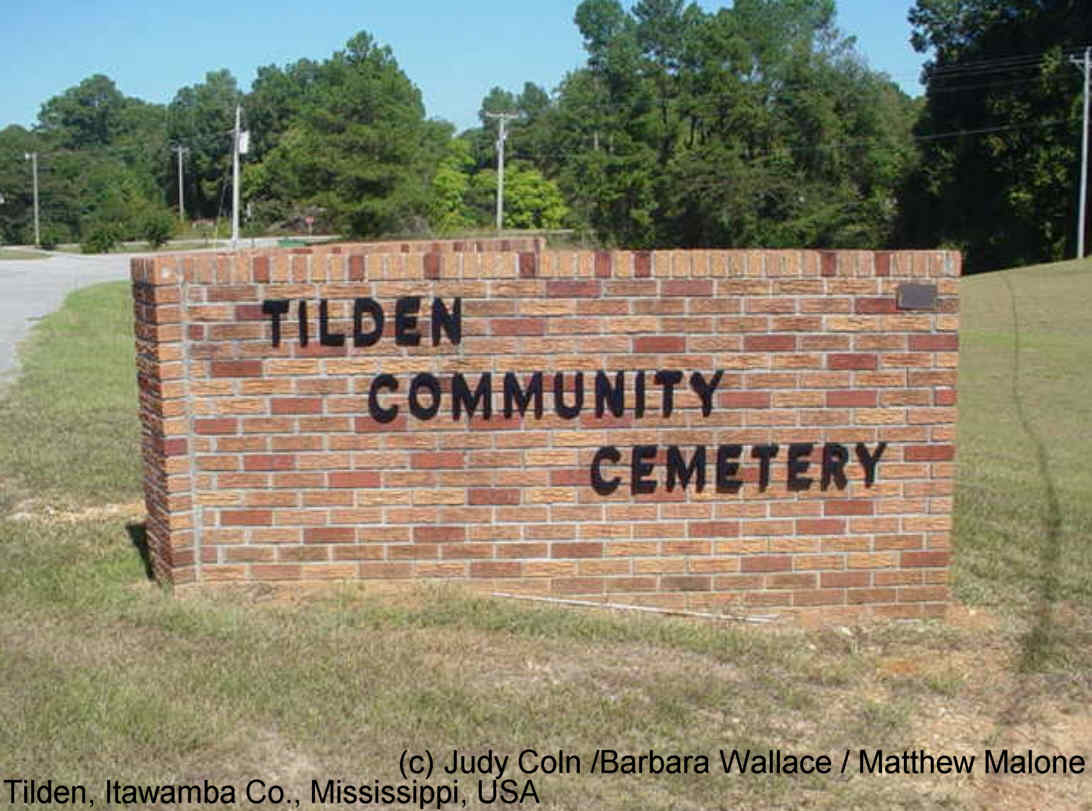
741	431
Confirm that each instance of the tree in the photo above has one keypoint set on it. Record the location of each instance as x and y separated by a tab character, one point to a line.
359	146
17	210
1006	196
202	117
755	125
87	115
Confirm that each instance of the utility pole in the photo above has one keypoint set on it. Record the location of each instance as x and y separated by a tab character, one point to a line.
503	118
1084	64
33	158
235	184
181	207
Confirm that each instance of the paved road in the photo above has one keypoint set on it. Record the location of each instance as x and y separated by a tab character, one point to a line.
31	288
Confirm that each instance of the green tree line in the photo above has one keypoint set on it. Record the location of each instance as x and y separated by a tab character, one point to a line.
755	125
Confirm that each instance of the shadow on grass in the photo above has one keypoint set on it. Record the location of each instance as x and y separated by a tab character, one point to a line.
1039	641
138	534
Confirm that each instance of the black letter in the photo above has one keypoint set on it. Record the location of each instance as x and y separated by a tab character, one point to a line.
380	414
605	393
275	308
452	324
726	469
325	336
564	411
639	395
705	390
460	395
303	322
405	322
424	380
764	453
604	488
638	469
835	457
677	467
668	378
796	467
868	462
512	391
369	306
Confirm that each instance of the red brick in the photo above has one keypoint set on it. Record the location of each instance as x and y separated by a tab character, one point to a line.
569	476
945	342
852	360
862	596
688	287
431	264
848	507
714	529
581	549
366	425
870	306
769	343
684	582
744	399
925	559
602	264
261	269
929	453
233	293
236	368
429	460
296	405
495	568
577	585
642	264
250	312
496	495
439	534
517	326
221	425
355	478
659	344
820	526
329	534
246	518
852	398
528	264
570	288
275	461
766	563
844	580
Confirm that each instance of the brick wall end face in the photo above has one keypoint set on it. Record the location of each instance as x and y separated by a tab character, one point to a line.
267	463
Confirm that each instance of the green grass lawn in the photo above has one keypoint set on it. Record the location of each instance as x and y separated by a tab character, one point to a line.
15	253
103	675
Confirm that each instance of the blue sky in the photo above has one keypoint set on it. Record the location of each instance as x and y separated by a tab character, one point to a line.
453	51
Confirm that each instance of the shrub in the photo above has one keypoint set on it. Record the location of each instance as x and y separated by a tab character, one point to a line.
157	227
101	238
50	237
